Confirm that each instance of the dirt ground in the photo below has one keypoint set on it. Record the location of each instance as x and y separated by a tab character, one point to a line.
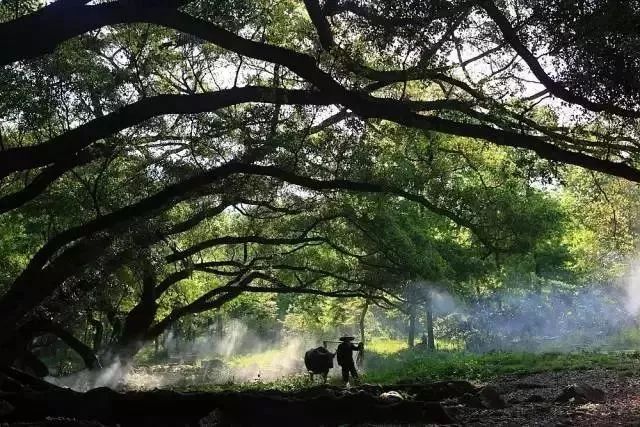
531	401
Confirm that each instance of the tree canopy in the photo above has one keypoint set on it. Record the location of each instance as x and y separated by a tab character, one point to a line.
162	159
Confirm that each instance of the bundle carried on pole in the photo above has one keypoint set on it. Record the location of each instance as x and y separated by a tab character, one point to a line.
325	343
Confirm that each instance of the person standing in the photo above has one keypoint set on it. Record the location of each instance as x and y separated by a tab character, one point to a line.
344	356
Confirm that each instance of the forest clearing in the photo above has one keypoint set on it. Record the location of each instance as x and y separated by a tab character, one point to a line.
319	212
525	388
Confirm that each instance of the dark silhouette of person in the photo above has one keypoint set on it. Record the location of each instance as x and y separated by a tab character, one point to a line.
344	356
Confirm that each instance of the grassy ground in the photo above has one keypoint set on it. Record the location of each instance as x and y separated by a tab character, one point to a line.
266	357
417	365
385	346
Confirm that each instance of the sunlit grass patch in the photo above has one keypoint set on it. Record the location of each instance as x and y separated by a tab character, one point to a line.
263	358
417	365
385	346
450	344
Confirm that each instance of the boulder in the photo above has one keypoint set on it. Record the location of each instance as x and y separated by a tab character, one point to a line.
581	393
392	396
471	400
490	398
215	418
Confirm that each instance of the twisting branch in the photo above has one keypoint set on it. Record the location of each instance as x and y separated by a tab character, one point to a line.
58	149
42	326
368	107
42	31
555	88
240	284
335	7
236	240
320	22
43	180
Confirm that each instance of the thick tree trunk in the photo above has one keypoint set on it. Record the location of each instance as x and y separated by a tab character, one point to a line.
365	308
219	326
24	296
363	314
431	344
412	325
163	341
139	320
134	332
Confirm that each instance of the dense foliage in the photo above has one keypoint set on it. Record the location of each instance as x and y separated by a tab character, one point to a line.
306	165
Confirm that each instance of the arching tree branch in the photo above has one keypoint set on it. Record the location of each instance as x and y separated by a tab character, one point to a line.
555	88
60	148
305	66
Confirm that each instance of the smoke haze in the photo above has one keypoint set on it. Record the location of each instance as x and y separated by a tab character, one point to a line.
239	355
561	319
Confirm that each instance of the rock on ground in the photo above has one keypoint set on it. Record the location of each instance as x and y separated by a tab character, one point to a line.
490	398
581	393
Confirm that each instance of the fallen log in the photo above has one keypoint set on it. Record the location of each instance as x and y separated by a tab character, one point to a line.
167	408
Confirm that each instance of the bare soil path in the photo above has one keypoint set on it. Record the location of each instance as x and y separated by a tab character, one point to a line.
531	401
